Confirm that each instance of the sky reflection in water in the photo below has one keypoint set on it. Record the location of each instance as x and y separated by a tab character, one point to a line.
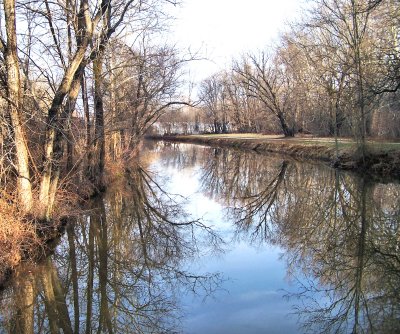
129	263
338	233
252	299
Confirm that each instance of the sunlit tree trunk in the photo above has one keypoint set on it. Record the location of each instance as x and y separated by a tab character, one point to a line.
69	110
57	115
24	186
53	146
85	102
115	146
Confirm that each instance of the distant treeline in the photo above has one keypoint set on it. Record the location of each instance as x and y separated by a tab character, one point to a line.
336	72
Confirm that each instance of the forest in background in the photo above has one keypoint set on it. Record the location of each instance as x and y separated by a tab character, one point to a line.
336	72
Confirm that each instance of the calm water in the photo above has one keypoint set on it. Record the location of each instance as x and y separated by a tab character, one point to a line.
204	240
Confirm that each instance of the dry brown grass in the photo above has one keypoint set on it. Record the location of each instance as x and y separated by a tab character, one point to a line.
18	237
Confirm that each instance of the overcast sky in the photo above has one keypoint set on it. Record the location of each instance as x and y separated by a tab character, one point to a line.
222	29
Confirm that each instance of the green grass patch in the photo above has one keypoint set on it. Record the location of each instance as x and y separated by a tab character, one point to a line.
383	146
374	146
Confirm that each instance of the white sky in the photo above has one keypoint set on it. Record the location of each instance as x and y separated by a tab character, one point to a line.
223	29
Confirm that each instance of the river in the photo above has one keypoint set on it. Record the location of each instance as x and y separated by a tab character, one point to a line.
194	239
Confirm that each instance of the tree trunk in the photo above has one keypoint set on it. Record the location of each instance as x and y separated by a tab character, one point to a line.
56	123
357	39
115	147
287	131
97	165
70	108
24	186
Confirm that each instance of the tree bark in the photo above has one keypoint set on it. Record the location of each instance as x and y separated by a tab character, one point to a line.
357	39
287	131
97	167
53	147
24	186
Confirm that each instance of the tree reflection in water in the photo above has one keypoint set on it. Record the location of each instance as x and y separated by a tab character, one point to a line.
118	269
340	234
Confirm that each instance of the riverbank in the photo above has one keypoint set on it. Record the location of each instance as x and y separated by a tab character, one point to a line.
382	158
25	239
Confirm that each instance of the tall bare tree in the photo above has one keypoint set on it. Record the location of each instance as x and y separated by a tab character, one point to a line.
266	81
14	99
213	95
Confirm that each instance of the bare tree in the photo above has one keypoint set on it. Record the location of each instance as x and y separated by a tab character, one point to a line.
347	23
213	95
266	80
14	99
72	35
147	88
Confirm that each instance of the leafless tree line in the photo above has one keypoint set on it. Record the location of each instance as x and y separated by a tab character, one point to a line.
335	73
81	81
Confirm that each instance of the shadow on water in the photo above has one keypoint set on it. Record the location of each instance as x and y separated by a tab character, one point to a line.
120	268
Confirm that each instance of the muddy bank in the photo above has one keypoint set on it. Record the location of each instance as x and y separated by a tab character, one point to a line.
378	164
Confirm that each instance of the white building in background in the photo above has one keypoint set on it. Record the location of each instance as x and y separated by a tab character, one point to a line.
181	128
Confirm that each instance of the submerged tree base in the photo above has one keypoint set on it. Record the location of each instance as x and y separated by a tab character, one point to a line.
26	238
379	161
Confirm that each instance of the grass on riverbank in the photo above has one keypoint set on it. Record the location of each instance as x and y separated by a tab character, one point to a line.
381	158
343	143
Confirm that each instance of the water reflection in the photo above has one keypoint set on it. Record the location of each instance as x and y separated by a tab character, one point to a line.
121	267
118	269
340	234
